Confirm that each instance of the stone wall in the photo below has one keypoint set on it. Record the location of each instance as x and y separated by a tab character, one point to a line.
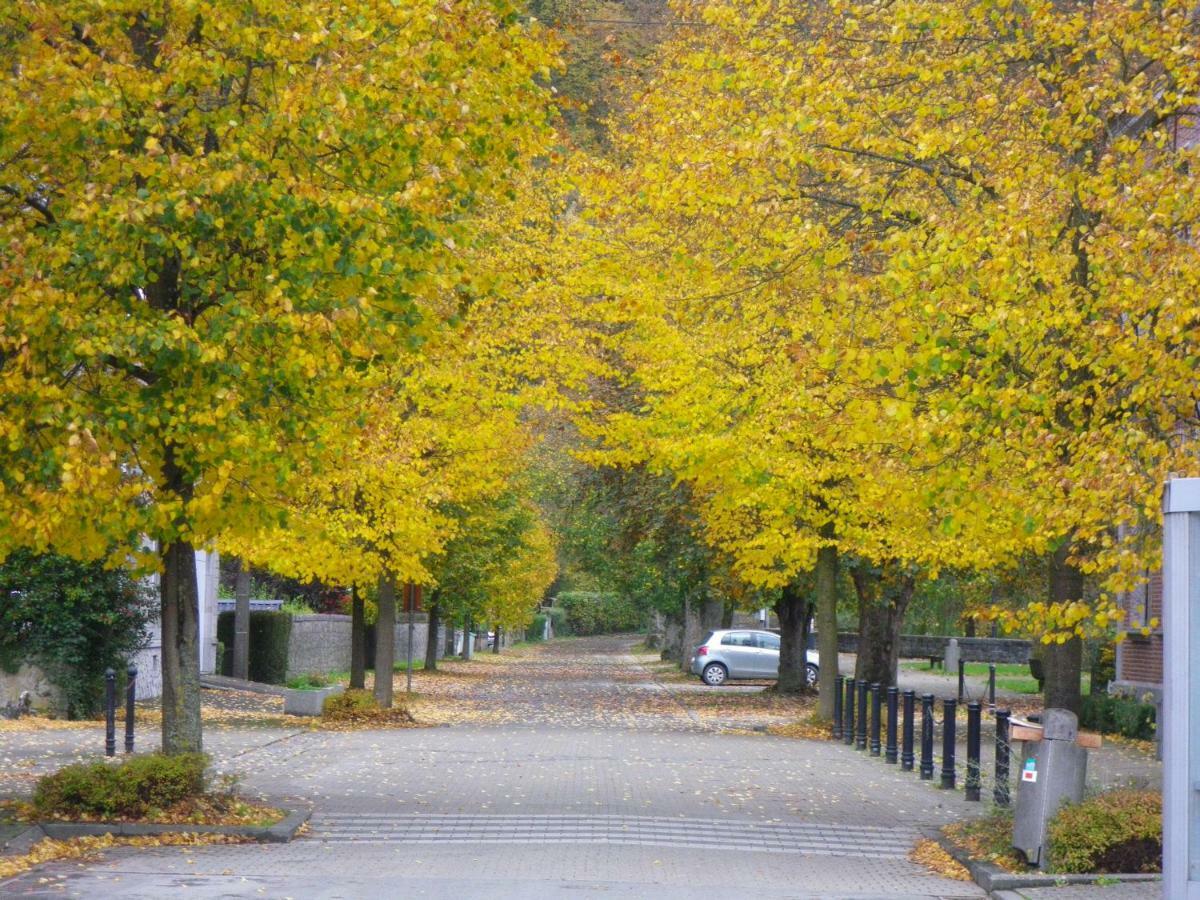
321	643
43	695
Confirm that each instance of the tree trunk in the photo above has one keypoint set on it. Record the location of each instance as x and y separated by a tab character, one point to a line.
241	622
1063	663
827	642
794	612
385	640
883	598
711	613
498	633
358	640
727	616
431	642
181	729
693	632
672	637
466	647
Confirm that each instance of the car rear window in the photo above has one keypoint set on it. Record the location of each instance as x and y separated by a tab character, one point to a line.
738	639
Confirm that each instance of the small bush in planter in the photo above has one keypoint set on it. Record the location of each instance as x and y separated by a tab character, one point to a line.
360	707
1119	831
310	682
128	790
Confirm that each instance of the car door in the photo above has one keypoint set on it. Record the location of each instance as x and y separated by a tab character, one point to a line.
768	654
740	652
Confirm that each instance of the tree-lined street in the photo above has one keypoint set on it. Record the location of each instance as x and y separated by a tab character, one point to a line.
602	781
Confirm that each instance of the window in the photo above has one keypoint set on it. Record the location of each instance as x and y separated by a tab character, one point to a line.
768	641
738	639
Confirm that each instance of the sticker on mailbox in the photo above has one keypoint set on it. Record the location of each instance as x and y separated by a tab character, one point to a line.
1029	773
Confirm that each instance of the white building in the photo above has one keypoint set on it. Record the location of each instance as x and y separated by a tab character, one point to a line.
149	658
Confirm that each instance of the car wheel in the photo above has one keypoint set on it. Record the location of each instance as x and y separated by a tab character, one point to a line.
811	675
714	674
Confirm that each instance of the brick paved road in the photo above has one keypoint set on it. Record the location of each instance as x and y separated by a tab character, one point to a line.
601	782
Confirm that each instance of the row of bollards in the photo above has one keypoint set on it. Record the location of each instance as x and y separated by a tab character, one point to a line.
110	710
857	721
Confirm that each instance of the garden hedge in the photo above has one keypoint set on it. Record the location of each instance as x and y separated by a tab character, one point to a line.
269	635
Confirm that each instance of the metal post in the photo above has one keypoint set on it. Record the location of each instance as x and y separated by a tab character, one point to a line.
876	698
906	749
860	739
926	737
837	706
962	679
1180	722
974	712
848	729
948	723
130	691
412	604
893	697
1000	792
110	712
991	684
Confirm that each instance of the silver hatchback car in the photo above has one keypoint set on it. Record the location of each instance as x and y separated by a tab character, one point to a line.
743	653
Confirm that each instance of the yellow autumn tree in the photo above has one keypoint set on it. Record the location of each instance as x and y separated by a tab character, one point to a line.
214	215
899	279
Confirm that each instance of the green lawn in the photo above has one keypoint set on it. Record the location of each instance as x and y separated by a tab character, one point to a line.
1013	677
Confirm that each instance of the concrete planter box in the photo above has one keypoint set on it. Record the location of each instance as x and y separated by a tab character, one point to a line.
307	702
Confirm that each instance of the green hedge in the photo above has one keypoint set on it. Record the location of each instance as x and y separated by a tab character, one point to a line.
589	612
535	629
1117	715
269	635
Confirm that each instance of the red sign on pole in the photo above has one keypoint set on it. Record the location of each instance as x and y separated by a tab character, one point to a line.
411	598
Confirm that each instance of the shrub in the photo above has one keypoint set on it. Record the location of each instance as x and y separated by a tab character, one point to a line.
73	620
536	628
559	625
1118	715
1119	831
355	706
269	635
590	612
136	787
308	682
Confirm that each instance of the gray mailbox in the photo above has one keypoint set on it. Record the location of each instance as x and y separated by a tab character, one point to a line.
1052	770
1180	727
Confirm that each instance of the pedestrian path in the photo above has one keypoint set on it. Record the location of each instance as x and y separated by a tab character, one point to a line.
713	834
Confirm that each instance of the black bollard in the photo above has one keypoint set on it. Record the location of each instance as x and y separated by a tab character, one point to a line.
110	712
876	698
893	696
926	737
948	723
974	711
962	679
837	707
992	684
906	749
860	738
130	690
848	724
1000	794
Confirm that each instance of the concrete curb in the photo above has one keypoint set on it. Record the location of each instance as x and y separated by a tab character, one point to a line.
223	683
281	832
997	882
21	842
